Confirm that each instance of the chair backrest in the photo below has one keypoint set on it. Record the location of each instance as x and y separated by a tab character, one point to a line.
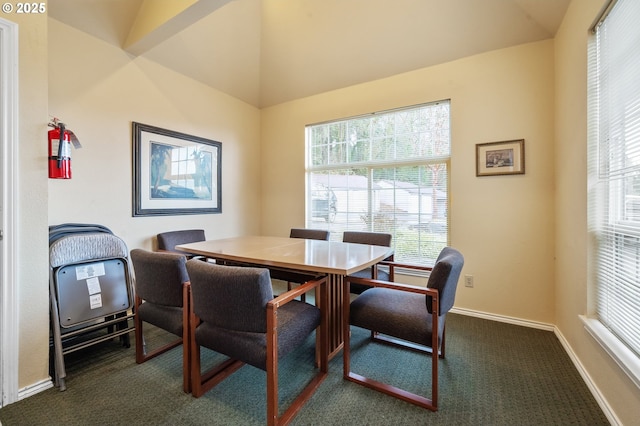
169	240
74	248
444	278
159	276
371	238
310	234
229	297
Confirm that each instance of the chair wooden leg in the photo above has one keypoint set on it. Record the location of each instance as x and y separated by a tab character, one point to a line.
137	323
201	383
421	401
186	340
272	365
141	352
272	368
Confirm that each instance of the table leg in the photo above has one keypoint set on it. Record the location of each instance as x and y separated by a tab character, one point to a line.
335	289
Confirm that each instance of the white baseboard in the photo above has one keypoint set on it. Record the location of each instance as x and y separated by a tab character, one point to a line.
502	318
606	409
602	402
34	389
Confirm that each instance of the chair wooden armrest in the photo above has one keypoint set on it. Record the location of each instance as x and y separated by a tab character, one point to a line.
393	264
391	285
290	295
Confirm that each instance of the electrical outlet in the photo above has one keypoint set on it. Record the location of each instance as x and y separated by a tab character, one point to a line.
468	280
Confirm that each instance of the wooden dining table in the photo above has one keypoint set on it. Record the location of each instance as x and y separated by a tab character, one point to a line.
331	258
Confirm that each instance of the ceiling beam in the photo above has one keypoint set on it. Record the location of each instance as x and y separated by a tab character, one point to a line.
157	20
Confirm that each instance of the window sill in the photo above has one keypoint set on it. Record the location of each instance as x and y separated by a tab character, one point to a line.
623	356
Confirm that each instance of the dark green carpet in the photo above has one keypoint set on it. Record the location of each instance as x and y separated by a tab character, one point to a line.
494	374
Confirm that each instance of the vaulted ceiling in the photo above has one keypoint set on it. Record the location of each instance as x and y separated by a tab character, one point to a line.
265	52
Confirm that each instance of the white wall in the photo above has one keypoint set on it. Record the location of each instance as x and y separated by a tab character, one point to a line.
504	225
571	291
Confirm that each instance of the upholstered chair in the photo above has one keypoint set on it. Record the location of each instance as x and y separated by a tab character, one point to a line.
159	284
374	239
234	312
167	241
409	316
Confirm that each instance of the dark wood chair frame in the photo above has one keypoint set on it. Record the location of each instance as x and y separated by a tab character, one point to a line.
142	355
203	382
419	400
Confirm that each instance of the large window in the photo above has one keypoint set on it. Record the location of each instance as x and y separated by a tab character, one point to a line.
614	176
383	172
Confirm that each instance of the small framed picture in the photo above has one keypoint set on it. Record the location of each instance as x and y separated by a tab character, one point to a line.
500	158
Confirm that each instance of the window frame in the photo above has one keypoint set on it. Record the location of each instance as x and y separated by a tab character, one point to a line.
607	211
368	167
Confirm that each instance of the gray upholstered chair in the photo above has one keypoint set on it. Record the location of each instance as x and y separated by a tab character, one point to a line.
374	239
294	277
167	241
310	234
159	283
405	315
233	312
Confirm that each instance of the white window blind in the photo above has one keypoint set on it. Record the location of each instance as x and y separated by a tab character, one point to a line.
383	172
614	171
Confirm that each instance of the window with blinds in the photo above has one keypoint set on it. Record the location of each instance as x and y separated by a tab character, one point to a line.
383	172
614	171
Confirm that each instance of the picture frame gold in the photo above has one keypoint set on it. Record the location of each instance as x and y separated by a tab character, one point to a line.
500	158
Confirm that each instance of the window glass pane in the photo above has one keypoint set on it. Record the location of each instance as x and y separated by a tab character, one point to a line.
394	179
614	164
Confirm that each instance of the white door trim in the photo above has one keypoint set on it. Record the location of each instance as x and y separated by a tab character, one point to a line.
9	144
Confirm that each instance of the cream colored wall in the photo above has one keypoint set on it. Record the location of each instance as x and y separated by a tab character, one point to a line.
32	274
571	292
504	225
98	90
32	220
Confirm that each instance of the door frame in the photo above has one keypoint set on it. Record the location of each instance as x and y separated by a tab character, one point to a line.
9	186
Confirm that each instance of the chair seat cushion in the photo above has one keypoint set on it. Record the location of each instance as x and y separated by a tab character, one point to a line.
395	313
296	320
166	317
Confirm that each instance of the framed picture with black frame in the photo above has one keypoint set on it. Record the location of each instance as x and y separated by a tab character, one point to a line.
175	173
500	158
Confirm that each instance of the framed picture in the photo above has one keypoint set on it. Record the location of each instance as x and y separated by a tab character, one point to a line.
175	173
500	158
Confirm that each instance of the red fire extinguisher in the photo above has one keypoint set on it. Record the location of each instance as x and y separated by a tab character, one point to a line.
59	151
